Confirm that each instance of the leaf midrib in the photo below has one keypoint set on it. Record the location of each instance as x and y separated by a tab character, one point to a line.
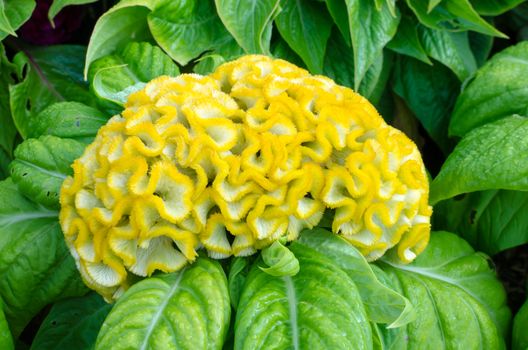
43	77
41	169
159	313
292	307
10	219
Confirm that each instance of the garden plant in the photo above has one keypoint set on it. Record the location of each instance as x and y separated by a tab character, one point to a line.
263	174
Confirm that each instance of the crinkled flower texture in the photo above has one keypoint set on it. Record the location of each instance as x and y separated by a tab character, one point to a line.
233	161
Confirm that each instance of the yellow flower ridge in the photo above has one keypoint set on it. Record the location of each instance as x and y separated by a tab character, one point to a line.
233	161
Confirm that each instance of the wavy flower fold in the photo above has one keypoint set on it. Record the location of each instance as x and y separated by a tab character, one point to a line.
230	163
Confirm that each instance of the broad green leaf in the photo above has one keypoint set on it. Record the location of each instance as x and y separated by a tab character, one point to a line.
452	15
305	26
186	29
72	324
188	309
14	13
207	64
392	7
71	120
250	22
36	268
339	65
382	304
389	338
519	334
394	338
432	4
8	130
460	303
339	60
451	49
5	24
491	221
481	46
319	308
228	51
124	22
116	76
47	75
490	157
497	91
238	271
406	41
280	261
6	340
375	80
494	7
41	165
280	49
4	164
430	92
338	11
370	31
58	5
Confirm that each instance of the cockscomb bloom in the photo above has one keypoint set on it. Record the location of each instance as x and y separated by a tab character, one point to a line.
233	161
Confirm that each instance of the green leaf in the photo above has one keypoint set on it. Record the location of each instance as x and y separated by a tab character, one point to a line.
305	26
432	4
339	60
491	221
207	64
451	49
494	7
389	338
188	309
14	13
490	157
41	165
452	15
226	52
125	21
188	28
339	65
6	340
430	91
338	11
319	308
497	91
71	120
47	75
460	303
58	5
36	268
5	160
238	271
382	304
72	324
280	260
280	49
370	31
8	130
115	76
519	334
250	22
481	46
375	80
5	24
406	41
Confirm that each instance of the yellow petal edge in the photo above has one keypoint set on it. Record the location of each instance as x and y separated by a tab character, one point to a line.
233	161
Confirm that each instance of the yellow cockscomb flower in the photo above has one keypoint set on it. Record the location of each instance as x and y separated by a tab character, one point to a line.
233	161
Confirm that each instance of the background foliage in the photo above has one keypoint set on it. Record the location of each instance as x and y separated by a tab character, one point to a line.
452	74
